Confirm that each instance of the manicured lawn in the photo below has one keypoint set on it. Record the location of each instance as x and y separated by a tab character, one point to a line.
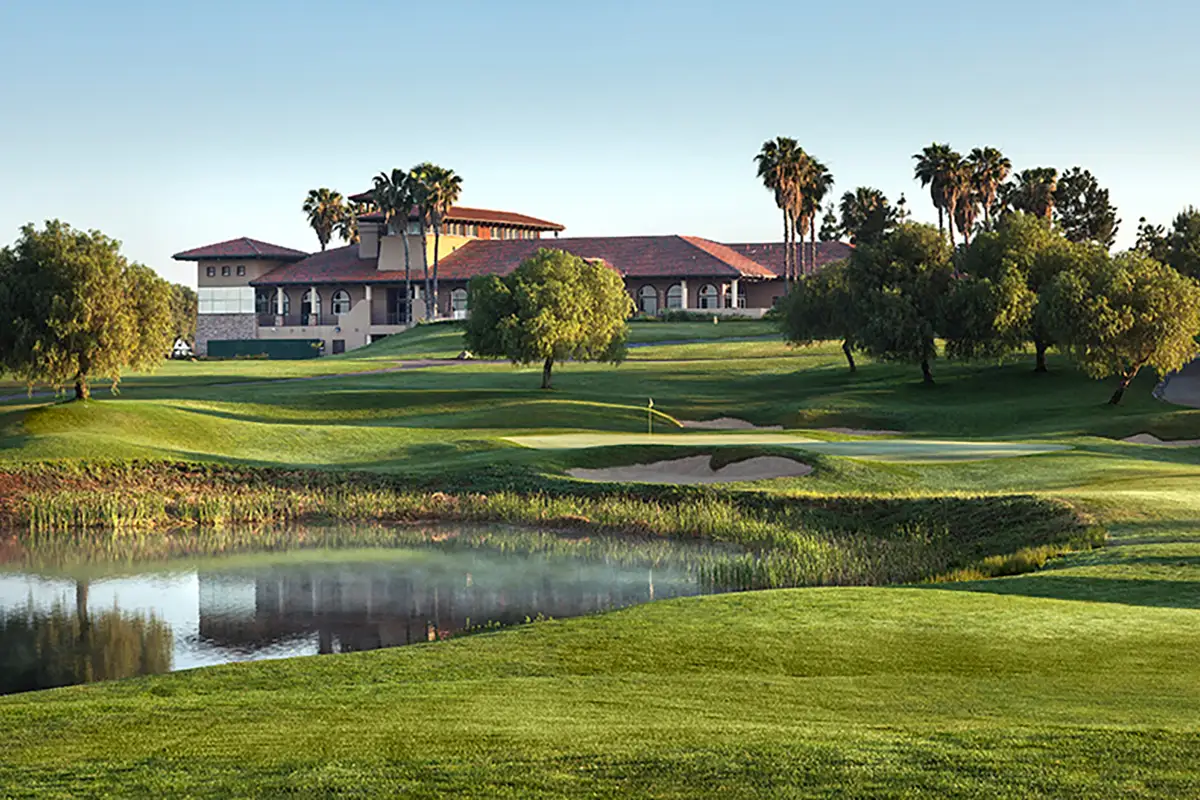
1077	681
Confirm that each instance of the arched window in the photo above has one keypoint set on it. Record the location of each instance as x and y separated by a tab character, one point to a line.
458	300
648	300
340	303
675	296
310	306
709	296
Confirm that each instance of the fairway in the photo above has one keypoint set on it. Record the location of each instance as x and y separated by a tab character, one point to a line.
897	450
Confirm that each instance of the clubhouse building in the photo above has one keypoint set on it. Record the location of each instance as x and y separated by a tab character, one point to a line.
350	296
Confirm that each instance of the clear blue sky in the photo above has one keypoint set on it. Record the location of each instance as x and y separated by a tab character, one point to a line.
172	125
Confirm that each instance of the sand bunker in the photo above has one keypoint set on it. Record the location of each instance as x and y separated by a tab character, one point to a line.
727	424
1149	438
861	432
697	469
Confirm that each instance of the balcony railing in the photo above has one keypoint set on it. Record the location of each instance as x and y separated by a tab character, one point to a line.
294	320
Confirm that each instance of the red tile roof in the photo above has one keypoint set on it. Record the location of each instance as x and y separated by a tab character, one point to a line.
770	254
631	256
244	247
485	216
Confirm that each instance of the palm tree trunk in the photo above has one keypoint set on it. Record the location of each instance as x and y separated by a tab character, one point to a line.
801	270
849	351
941	221
407	275
437	237
546	368
425	262
812	242
787	239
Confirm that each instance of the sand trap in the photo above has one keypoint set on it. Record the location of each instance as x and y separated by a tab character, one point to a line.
861	431
727	424
1149	438
697	469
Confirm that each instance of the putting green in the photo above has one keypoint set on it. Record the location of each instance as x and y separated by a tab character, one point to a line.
910	450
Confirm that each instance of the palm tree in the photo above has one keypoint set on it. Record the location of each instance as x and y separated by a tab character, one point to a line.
935	166
989	169
866	215
393	196
421	181
324	208
956	191
779	168
1034	191
444	187
347	226
816	183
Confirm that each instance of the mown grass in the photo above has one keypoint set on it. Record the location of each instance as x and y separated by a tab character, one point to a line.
1078	680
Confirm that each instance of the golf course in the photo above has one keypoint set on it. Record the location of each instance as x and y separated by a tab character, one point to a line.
975	588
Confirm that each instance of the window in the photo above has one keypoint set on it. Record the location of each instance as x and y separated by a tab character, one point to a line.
264	301
675	296
340	303
741	296
224	272
210	272
241	270
458	300
225	300
648	300
339	346
709	296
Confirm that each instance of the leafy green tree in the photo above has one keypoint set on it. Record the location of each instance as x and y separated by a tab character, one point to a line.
1152	240
183	312
553	307
72	308
1122	314
899	287
325	209
821	307
1183	243
1083	210
1007	268
393	196
866	215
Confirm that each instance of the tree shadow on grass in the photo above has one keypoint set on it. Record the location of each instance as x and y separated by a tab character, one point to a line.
1125	591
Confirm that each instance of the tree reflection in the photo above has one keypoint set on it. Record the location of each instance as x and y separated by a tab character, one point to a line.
42	650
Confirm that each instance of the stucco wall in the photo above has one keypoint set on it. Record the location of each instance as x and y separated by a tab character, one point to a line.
223	326
254	268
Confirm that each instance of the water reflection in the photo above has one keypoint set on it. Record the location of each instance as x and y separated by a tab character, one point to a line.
185	613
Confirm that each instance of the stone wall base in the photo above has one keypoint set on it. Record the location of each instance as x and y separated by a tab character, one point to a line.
223	326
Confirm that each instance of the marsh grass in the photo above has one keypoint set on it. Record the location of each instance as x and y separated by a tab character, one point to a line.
780	541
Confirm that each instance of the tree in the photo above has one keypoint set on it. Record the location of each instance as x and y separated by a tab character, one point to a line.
989	170
553	307
780	166
420	179
898	287
1083	210
816	182
831	228
72	308
1122	314
183	312
393	196
347	225
444	190
1178	247
936	168
1152	240
1034	191
821	307
1007	268
866	215
325	209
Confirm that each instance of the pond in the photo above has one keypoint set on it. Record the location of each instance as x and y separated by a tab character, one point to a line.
75	611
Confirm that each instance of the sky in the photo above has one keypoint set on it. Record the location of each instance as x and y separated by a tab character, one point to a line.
173	125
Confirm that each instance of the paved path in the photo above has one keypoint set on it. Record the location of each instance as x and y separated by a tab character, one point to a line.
1183	387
